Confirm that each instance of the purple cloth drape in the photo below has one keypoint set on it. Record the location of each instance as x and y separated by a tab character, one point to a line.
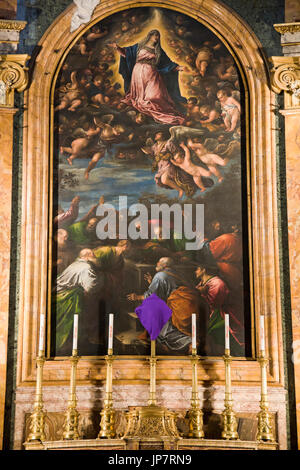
153	314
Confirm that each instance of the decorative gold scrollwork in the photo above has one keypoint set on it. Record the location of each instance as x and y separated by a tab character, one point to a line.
12	25
284	28
13	76
285	76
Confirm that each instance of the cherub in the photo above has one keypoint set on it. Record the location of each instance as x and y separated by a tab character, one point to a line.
211	118
134	23
227	70
125	26
231	109
110	58
205	56
108	134
103	52
192	105
211	160
96	91
192	112
96	32
83	146
196	82
84	47
211	90
185	163
190	61
75	93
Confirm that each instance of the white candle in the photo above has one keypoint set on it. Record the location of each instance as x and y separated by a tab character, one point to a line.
42	333
110	331
227	342
75	331
194	344
262	333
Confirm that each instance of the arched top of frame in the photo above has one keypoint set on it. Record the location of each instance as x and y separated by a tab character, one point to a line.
228	26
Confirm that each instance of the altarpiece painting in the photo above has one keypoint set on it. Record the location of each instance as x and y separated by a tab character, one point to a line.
149	109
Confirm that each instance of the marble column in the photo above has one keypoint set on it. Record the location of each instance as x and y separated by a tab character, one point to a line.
286	78
13	76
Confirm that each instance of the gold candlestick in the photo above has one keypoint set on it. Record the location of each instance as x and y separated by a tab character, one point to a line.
107	423
264	428
37	418
153	360
229	419
72	415
195	414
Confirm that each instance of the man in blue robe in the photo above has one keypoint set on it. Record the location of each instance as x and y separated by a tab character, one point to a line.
165	281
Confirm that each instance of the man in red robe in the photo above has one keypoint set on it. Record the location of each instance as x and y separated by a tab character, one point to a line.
227	252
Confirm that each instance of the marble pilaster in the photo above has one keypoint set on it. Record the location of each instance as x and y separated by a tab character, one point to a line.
12	76
286	78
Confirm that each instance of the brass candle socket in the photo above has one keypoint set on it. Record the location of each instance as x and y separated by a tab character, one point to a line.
107	422
72	415
264	427
37	418
195	413
229	418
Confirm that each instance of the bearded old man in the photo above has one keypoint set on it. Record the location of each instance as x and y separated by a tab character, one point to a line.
183	300
78	283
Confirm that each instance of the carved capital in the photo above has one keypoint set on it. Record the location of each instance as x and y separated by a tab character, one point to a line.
284	28
13	76
285	76
12	25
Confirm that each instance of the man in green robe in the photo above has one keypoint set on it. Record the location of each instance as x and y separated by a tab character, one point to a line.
83	232
75	283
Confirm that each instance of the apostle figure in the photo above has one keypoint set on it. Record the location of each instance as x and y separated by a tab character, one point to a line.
215	292
151	80
168	285
226	250
76	286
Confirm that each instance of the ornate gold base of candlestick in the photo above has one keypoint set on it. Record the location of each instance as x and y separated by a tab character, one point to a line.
37	418
229	418
107	422
229	424
264	426
195	414
37	423
151	422
196	423
72	415
71	424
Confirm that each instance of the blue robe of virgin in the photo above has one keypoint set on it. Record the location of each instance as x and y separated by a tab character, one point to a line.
165	67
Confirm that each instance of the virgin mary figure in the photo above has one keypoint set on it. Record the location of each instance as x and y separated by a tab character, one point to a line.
151	80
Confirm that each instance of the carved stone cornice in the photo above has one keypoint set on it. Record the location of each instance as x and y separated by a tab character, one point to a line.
284	28
13	76
9	35
285	76
12	25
